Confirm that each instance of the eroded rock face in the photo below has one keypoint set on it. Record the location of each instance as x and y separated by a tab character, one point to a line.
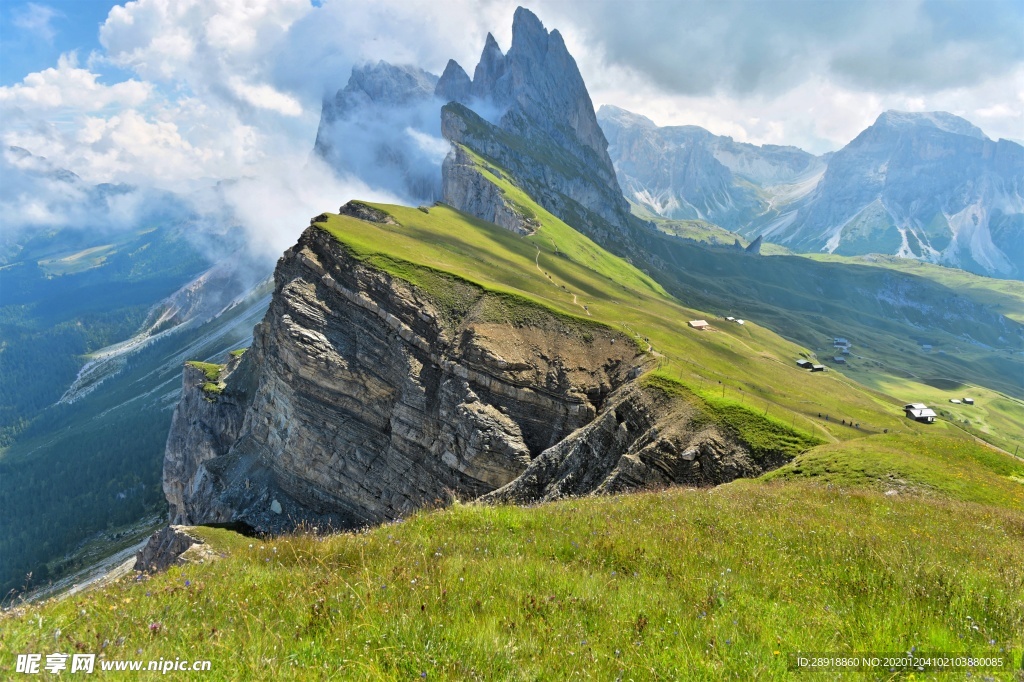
463	185
204	427
361	400
172	546
642	439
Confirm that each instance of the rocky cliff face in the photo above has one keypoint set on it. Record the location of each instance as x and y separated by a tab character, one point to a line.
364	397
643	439
204	427
361	401
463	185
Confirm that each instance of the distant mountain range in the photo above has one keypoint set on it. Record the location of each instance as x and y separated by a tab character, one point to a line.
929	186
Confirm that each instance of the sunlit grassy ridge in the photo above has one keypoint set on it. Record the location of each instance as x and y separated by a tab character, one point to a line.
614	293
745	374
582	282
672	585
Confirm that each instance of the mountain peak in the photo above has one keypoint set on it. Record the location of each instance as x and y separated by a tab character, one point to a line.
612	113
454	84
384	83
944	121
528	31
491	68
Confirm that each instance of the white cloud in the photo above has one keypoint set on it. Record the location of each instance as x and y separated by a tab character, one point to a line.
67	86
200	43
814	75
36	20
275	202
264	96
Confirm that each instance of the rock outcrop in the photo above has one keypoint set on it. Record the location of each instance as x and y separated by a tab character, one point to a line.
203	428
464	185
643	439
362	399
172	546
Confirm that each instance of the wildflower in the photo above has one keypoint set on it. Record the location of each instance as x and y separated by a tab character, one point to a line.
155	627
188	583
423	674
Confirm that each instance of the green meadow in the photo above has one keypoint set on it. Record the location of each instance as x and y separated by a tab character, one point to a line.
726	583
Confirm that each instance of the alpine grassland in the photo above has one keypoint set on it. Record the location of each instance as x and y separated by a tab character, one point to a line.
726	583
876	533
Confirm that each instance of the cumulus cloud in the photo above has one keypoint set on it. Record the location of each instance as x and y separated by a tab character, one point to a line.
801	73
67	86
199	42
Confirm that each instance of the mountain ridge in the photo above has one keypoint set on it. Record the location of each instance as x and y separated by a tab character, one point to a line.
923	185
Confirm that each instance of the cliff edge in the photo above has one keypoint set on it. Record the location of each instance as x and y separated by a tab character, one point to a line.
366	396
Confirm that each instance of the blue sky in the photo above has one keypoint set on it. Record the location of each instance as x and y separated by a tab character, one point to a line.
34	34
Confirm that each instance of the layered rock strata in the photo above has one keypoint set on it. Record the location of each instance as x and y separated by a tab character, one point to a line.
363	399
643	439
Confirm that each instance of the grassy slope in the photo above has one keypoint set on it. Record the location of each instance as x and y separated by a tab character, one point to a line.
693	584
673	585
1004	295
753	364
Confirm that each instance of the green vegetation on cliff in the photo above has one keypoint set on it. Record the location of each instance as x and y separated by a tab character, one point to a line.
557	271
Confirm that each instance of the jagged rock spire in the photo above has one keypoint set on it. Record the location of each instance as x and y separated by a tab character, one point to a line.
454	84
489	71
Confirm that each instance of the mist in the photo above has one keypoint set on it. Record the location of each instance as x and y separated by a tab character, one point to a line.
274	205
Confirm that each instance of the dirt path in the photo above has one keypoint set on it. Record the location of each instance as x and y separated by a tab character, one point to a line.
575	301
